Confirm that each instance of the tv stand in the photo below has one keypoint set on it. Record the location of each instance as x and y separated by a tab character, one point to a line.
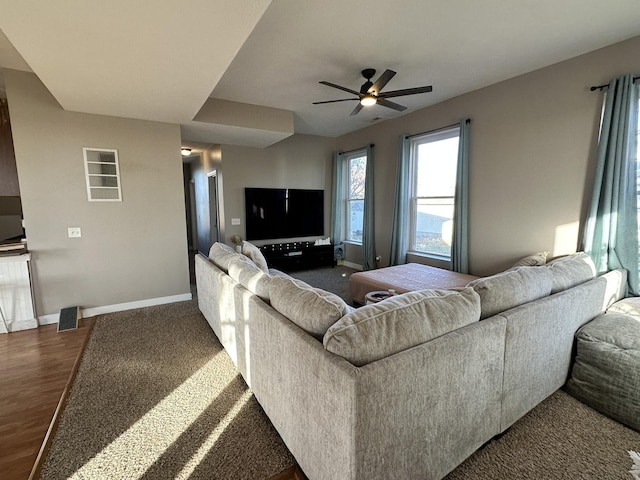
298	255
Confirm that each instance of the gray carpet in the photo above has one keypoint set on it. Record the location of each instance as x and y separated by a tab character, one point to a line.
156	396
559	439
332	279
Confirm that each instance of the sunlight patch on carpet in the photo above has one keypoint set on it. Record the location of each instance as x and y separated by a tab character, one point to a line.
147	439
208	444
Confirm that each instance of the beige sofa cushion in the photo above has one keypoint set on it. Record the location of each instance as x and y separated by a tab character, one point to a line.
629	306
312	309
571	270
400	322
221	255
247	274
254	253
511	288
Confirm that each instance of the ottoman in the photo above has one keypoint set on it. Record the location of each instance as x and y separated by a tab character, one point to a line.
606	372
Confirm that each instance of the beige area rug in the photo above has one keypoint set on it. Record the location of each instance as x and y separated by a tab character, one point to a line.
560	439
156	397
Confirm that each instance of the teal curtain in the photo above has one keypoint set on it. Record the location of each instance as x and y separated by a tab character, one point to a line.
337	199
459	246
368	225
400	222
611	229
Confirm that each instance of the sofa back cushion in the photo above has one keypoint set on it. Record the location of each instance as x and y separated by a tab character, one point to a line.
571	270
312	309
254	253
247	274
400	322
221	255
508	289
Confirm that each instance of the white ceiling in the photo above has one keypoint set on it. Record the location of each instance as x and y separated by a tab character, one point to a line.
162	61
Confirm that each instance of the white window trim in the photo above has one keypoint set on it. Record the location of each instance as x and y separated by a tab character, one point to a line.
89	175
347	199
415	142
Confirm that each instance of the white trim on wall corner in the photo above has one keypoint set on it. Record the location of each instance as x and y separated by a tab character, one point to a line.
119	307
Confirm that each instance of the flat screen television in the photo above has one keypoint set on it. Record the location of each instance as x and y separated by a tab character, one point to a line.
283	213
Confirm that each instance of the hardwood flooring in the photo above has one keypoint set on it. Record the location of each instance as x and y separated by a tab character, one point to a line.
35	368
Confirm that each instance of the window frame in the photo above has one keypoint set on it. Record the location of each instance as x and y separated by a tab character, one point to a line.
348	200
415	142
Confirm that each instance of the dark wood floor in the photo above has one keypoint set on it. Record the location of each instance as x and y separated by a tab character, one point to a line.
35	367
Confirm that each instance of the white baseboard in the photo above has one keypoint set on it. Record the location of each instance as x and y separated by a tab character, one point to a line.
119	307
352	265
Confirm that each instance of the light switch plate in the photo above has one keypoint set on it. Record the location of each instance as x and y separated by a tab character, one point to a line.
74	232
235	221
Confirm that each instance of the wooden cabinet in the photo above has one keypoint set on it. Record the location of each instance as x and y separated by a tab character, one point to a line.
16	294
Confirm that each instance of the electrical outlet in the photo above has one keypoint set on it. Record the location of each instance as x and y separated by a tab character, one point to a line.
235	221
74	232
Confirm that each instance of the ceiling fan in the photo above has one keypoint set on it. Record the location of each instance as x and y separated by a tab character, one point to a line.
370	94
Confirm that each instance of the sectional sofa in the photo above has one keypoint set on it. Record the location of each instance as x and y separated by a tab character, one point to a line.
408	387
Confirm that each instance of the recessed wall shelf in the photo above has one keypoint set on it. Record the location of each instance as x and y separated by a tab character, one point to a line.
102	174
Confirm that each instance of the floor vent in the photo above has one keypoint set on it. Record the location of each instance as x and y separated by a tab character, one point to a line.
68	318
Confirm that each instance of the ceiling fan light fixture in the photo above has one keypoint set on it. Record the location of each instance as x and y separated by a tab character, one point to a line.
368	100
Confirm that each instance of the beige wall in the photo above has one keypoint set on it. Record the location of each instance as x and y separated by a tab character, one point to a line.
132	250
300	161
533	141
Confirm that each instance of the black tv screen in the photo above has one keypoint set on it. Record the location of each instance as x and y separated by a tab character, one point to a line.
283	213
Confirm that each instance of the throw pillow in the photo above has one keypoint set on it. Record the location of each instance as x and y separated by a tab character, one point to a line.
254	253
534	260
221	255
312	309
246	273
571	270
511	288
397	323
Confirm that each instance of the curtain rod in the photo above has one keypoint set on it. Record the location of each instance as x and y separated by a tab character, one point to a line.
356	149
437	129
602	87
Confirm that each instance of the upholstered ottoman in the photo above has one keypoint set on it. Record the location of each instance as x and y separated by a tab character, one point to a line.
606	372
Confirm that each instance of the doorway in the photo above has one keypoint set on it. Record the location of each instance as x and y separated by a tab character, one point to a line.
214	231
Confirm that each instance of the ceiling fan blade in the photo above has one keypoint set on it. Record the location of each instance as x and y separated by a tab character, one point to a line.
345	89
388	104
357	109
406	91
334	101
381	82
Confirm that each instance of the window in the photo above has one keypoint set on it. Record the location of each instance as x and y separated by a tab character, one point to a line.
103	174
355	169
434	159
